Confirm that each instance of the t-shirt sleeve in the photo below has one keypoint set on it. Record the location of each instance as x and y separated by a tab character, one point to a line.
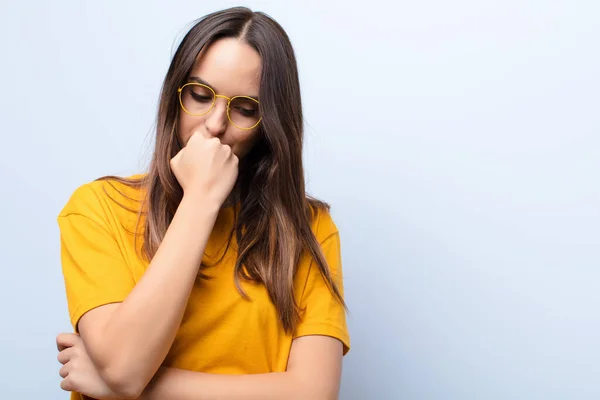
94	270
323	313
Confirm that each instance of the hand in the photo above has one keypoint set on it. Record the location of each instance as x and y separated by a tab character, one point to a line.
79	372
207	168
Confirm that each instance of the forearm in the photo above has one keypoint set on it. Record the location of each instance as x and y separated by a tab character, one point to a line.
137	336
177	384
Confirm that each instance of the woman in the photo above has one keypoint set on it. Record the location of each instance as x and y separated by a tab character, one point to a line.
212	275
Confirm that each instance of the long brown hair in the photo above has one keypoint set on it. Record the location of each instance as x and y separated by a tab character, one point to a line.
273	228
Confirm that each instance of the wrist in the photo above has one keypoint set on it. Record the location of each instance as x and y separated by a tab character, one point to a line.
198	204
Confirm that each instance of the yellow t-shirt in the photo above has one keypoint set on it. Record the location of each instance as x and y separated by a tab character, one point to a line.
221	332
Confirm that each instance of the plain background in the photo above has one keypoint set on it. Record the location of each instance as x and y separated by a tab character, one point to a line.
458	143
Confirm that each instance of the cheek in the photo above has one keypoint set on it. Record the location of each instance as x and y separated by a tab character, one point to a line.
187	125
244	142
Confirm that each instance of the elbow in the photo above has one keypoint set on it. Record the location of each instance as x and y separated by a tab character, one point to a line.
319	394
125	374
124	382
329	396
329	393
322	396
314	389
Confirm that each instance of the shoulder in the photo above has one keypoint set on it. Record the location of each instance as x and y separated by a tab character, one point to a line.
322	224
97	199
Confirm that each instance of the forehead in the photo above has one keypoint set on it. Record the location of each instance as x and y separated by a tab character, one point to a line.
230	66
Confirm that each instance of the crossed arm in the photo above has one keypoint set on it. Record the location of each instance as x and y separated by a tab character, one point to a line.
313	372
121	346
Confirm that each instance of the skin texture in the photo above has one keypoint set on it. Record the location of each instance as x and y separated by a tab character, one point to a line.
120	347
231	68
314	372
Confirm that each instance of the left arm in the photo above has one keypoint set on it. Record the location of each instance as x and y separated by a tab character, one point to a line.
314	372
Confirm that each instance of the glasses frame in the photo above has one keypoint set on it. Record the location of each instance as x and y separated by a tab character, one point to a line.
215	96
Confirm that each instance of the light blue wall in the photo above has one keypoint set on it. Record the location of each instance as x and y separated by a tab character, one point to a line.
458	143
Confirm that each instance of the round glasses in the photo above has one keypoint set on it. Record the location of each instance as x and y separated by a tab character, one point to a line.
198	99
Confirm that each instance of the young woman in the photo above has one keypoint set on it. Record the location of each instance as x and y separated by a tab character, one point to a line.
213	275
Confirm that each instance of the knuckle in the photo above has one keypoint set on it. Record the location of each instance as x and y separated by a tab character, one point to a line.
67	385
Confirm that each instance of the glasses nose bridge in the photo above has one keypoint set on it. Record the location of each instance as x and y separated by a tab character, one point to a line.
224	97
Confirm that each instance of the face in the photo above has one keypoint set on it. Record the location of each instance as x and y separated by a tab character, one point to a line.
231	68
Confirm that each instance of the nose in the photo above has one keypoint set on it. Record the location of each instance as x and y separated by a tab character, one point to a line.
216	120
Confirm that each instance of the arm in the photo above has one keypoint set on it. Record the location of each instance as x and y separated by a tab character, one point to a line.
314	372
315	360
129	334
128	341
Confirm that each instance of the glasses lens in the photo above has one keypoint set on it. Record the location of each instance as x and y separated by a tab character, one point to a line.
244	112
197	99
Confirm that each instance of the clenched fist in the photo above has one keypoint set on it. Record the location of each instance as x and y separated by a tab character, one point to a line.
206	168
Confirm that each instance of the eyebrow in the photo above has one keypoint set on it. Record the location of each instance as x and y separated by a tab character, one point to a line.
202	81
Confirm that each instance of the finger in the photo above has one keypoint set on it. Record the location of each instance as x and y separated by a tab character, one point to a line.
64	371
65	355
212	143
204	135
65	340
67	385
197	135
175	159
225	150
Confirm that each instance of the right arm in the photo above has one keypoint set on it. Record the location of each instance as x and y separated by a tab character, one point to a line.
128	341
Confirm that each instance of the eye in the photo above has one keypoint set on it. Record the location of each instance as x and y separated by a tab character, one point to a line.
200	97
246	112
